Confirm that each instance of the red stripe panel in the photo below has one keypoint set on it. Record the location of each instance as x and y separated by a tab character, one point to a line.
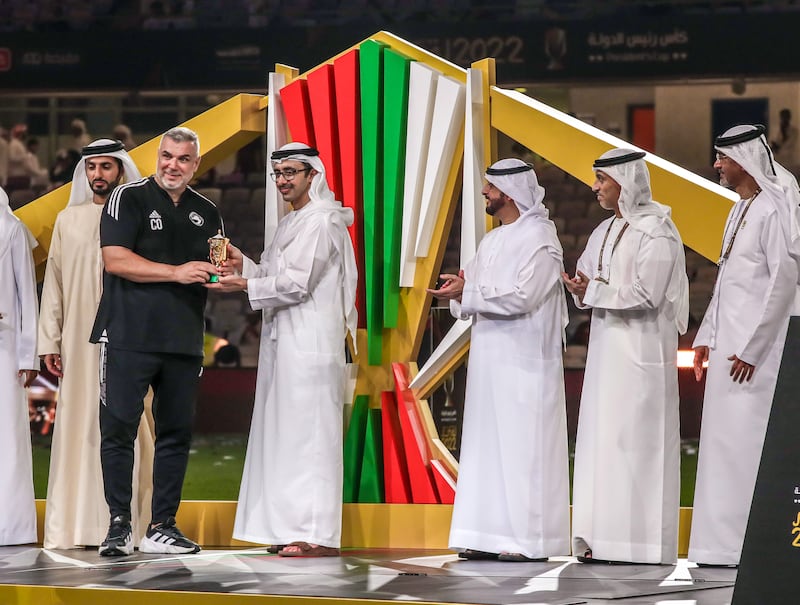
297	108
323	113
348	110
423	489
445	484
402	379
397	489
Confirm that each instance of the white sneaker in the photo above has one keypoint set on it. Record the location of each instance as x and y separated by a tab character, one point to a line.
167	539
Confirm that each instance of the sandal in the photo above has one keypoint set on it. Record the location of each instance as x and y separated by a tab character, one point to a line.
477	555
304	549
274	549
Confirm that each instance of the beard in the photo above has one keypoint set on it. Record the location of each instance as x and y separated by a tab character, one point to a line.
103	188
492	206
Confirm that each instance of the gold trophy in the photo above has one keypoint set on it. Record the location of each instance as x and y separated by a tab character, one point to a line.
217	252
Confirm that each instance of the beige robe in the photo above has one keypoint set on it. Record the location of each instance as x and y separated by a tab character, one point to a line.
77	514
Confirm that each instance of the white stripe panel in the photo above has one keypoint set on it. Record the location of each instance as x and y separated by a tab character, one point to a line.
276	138
473	208
421	95
473	224
452	341
448	119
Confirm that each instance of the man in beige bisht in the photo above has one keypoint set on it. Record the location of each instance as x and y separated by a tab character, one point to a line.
77	514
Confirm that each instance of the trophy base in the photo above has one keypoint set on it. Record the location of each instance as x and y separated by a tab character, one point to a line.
213	279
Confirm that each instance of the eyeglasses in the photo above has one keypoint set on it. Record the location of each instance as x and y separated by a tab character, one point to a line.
722	156
288	174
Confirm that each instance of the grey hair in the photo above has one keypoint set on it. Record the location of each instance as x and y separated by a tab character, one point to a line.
182	134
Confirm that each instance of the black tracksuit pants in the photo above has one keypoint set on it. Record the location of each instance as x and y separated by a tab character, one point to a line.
124	378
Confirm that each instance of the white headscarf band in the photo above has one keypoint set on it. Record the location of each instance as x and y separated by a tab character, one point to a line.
5	205
518	181
628	168
301	152
747	146
6	214
81	192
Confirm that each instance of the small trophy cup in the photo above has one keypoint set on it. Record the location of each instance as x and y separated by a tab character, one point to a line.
217	252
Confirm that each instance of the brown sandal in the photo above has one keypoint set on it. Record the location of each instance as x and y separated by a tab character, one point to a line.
306	550
274	549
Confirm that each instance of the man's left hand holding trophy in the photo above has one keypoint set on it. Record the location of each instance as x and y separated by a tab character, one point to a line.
228	259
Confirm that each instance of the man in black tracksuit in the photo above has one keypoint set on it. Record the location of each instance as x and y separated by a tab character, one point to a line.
154	234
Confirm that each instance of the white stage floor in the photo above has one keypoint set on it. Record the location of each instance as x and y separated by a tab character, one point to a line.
378	575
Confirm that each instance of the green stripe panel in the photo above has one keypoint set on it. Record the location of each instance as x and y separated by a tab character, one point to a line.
395	121
371	68
371	487
354	448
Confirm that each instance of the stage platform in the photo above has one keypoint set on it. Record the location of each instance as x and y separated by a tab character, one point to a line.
30	575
